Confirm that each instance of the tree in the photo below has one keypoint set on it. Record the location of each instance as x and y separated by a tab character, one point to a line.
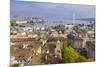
13	24
14	65
69	55
64	52
83	52
13	50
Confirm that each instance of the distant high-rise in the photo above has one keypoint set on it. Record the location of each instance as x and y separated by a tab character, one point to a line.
73	19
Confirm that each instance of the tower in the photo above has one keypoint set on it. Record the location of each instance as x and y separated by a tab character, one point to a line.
73	19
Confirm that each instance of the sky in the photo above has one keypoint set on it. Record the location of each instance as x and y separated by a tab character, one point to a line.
51	11
89	2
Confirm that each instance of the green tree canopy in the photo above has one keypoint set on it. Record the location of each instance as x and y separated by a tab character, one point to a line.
69	55
14	65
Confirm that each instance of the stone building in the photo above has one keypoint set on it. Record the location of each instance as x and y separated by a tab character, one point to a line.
90	49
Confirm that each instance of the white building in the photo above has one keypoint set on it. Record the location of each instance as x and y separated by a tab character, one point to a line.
69	26
21	21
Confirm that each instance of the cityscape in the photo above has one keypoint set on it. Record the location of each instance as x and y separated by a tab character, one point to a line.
59	34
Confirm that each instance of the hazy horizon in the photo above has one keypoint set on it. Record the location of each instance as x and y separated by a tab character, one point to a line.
51	11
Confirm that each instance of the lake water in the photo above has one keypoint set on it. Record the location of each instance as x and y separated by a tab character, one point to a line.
46	24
